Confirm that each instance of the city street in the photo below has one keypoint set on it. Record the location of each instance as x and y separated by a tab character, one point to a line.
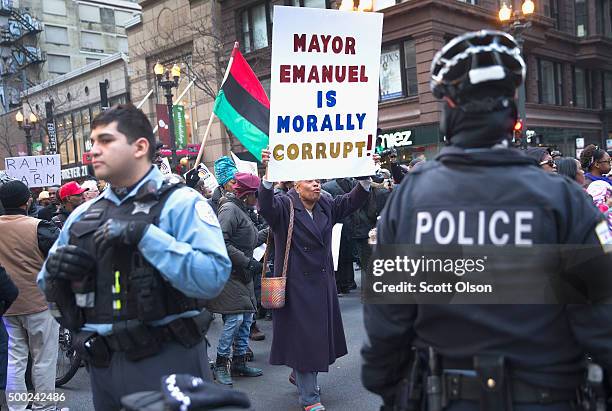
341	387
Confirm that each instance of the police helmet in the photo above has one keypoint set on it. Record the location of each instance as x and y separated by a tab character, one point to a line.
487	58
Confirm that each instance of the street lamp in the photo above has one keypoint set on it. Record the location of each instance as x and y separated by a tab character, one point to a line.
357	5
163	79
27	126
516	23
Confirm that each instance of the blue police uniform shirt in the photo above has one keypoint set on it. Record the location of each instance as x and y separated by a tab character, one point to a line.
187	245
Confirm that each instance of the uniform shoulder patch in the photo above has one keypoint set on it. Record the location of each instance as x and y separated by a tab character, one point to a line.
206	213
604	236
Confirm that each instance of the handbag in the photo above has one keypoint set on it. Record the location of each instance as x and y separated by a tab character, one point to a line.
273	288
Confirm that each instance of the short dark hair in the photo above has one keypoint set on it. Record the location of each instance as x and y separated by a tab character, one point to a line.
130	121
568	167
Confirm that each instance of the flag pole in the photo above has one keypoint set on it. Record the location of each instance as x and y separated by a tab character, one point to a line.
212	114
177	99
144	99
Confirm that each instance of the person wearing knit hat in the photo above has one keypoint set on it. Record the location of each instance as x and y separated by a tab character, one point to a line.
237	302
26	241
224	170
44	199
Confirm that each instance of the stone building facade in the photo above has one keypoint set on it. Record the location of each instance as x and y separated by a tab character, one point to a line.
186	32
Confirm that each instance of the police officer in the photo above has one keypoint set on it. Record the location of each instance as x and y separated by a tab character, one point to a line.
487	357
131	267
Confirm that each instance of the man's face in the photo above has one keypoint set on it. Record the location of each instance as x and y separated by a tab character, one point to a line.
309	190
113	156
53	195
74	201
45	202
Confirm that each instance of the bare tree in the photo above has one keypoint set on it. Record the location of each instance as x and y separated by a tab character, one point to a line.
8	139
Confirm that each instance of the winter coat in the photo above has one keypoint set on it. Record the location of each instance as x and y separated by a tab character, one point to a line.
214	200
307	332
241	238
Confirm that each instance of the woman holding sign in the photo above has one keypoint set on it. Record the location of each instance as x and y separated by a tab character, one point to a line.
308	333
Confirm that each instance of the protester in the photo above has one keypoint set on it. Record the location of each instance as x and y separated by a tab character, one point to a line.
283	187
44	199
155	250
92	189
8	294
71	196
50	209
596	164
237	302
31	328
225	170
570	167
308	334
543	157
345	274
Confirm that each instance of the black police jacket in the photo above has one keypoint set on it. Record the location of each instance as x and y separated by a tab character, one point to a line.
544	344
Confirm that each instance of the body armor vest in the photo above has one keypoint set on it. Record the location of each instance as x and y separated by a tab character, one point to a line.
126	286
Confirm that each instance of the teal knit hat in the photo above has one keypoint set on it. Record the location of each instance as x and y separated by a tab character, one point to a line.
225	169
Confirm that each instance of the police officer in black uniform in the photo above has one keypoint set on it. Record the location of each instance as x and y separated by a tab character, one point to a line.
132	267
488	357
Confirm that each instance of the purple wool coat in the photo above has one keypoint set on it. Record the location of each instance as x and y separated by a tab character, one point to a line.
307	332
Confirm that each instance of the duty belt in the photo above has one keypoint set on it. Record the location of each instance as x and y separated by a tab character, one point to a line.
466	387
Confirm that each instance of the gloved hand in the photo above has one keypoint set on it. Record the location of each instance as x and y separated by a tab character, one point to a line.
255	267
119	232
192	177
69	262
180	390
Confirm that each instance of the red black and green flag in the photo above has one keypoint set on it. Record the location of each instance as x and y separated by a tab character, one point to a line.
243	106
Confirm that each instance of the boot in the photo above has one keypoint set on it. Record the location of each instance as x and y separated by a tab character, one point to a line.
241	369
250	356
256	334
222	371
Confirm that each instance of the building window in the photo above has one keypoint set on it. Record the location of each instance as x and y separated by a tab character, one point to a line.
383	4
315	4
89	13
583	86
122	44
92	42
122	17
550	82
600	15
256	25
58	64
473	2
398	71
57	7
607	89
90	60
551	9
56	35
581	18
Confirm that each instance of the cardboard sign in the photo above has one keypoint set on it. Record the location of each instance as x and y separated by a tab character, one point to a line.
209	178
164	166
325	77
35	171
245	166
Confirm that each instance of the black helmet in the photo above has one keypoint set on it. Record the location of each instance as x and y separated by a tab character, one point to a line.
486	57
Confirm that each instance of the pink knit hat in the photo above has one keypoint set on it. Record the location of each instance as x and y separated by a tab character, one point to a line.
245	184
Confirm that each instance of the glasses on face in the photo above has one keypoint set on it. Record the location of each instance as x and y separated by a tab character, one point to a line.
551	163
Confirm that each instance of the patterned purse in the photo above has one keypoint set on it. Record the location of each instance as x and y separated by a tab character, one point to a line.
273	288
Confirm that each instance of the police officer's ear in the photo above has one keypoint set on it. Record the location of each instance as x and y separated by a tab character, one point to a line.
142	147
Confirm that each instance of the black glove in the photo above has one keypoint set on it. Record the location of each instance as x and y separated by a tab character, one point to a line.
118	232
192	177
255	266
202	395
70	262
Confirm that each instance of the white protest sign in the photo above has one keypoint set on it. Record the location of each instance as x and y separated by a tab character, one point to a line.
244	166
209	178
335	243
164	166
324	110
35	171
